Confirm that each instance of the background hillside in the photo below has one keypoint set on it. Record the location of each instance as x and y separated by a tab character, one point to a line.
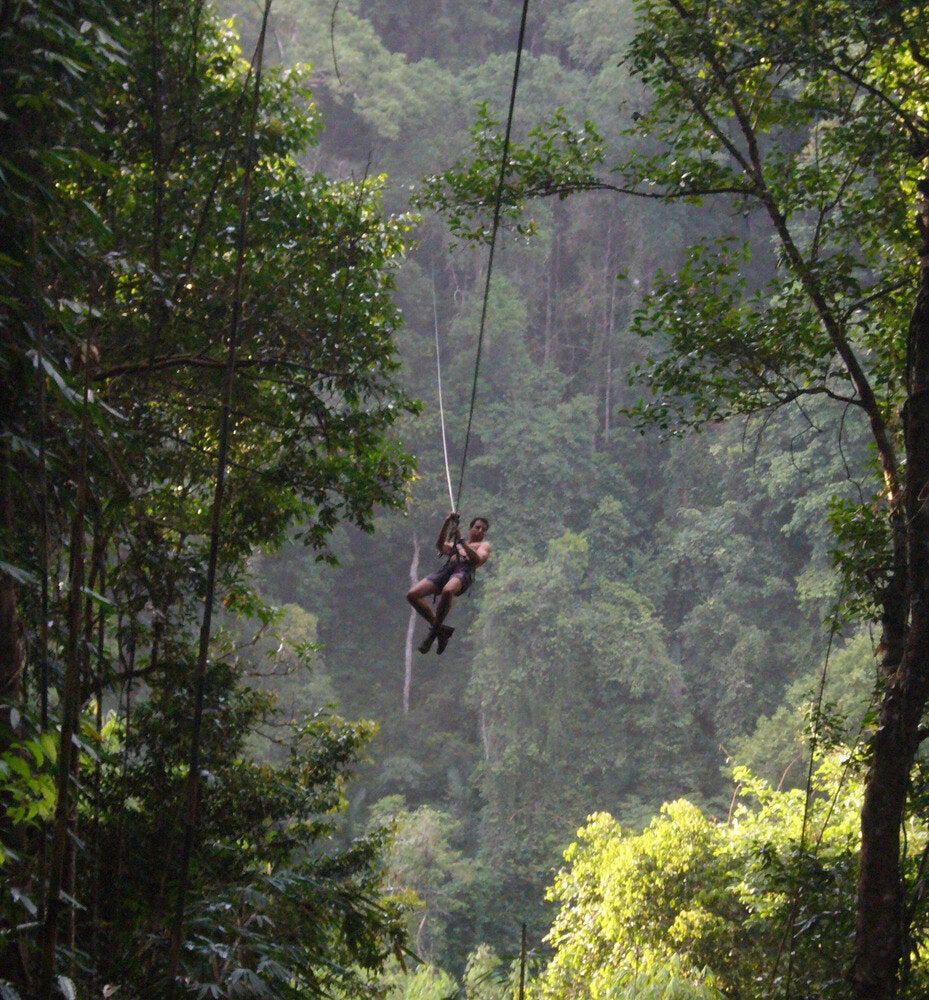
656	607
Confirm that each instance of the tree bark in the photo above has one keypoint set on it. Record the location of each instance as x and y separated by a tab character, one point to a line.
216	525
11	660
881	933
70	714
11	655
411	626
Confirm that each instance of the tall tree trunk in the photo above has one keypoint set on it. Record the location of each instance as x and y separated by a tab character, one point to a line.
96	884
70	713
58	874
411	626
11	661
69	873
881	934
156	110
602	349
224	431
11	654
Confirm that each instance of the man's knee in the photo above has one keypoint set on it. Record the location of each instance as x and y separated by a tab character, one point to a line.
420	590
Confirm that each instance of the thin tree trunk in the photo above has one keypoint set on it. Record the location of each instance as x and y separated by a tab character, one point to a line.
193	777
156	110
881	935
97	854
547	349
11	654
603	349
69	868
411	627
44	545
70	712
608	377
118	866
11	956
608	400
69	875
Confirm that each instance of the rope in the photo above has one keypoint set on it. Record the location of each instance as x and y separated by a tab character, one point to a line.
438	367
493	242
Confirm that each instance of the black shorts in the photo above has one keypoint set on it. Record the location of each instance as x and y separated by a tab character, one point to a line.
441	576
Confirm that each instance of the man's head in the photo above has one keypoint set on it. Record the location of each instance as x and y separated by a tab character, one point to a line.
479	526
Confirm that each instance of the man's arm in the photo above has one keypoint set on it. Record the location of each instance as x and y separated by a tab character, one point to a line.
477	553
441	543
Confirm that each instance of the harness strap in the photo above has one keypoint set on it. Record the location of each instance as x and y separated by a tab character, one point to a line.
462	560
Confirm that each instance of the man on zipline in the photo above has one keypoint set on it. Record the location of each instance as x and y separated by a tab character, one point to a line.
463	558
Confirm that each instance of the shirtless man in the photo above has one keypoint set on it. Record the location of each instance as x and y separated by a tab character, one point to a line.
464	556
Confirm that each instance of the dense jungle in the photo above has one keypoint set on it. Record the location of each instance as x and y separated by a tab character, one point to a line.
282	284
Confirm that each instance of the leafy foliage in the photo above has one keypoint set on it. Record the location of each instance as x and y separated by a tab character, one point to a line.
556	159
716	549
423	862
279	906
708	902
647	600
585	740
123	299
27	786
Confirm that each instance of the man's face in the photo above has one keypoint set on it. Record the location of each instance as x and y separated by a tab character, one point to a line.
478	530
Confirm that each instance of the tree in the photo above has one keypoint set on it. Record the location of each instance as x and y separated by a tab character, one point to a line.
280	902
423	863
51	55
810	119
578	703
757	906
157	215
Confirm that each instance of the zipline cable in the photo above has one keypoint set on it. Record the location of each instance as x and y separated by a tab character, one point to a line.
498	201
438	368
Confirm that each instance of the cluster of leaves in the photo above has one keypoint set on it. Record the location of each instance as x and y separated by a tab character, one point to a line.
754	906
556	159
27	785
160	244
732	561
281	907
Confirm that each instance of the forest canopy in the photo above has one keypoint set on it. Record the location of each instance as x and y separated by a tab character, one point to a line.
809	120
198	362
676	741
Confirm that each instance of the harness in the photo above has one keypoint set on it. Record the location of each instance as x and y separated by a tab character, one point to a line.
456	551
461	559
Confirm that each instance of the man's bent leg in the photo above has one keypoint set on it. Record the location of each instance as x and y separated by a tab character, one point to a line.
450	590
417	595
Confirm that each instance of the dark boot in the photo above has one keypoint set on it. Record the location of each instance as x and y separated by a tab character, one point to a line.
445	633
431	636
